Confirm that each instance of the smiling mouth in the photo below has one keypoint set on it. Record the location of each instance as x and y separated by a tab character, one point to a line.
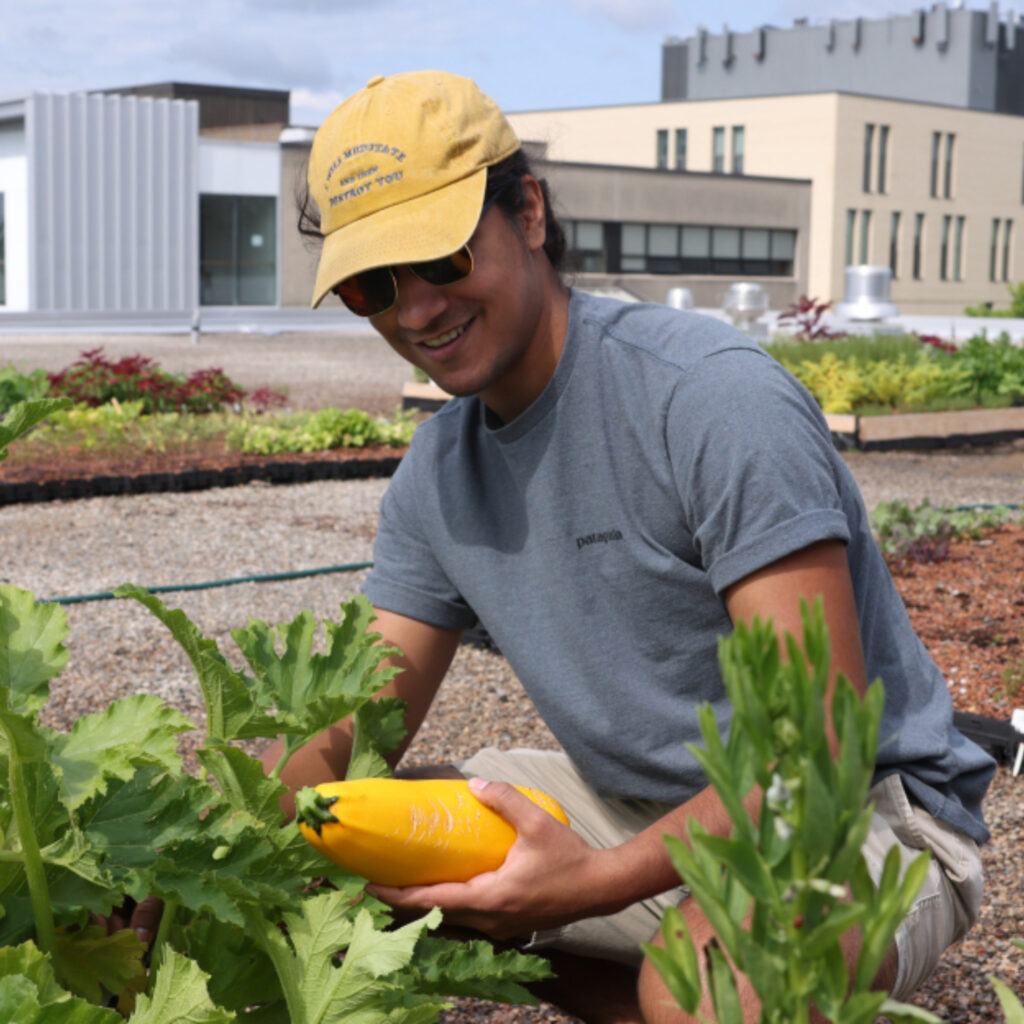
444	339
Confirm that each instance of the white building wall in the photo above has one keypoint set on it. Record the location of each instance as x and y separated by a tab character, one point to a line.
239	168
14	186
113	202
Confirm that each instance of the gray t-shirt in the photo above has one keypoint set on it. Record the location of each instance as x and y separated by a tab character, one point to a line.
595	534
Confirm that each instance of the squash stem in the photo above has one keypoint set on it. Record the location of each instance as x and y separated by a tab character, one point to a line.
159	941
35	870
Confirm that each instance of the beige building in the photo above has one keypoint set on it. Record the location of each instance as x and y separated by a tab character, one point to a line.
929	190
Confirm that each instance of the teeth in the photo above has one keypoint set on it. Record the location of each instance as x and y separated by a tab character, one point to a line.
443	339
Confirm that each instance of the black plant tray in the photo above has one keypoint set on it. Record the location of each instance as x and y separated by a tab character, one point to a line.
196	479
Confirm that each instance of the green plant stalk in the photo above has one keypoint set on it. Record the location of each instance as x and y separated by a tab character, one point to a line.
268	937
35	870
275	772
160	940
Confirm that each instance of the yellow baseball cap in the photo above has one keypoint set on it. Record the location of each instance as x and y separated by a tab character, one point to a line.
398	172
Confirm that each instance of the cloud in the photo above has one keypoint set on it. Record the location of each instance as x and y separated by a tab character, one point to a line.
632	15
245	55
309	106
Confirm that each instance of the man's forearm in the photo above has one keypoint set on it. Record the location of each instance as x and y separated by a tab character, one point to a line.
641	868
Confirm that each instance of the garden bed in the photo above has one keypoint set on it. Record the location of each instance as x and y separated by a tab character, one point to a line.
195	466
926	429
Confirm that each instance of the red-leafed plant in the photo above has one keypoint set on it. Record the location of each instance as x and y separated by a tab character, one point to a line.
935	342
95	380
805	315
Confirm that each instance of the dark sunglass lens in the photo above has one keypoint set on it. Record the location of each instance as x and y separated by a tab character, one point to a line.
446	270
368	293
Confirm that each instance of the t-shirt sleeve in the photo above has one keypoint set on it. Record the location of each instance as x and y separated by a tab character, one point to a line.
406	577
753	463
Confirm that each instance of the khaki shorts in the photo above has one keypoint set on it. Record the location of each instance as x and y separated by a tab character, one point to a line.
946	906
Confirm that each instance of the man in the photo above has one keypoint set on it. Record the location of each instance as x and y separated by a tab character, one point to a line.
614	486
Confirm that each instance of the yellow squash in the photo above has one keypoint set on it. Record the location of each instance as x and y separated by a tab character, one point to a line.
409	831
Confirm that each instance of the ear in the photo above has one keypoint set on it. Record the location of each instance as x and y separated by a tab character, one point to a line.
532	218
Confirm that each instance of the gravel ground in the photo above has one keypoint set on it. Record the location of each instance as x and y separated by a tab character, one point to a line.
116	648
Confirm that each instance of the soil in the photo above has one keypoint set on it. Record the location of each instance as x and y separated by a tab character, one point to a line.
28	466
968	610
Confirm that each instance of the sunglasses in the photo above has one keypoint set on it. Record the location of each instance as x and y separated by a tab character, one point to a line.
375	291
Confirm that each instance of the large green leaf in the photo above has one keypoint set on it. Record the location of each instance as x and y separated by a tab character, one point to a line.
243	783
378	729
179	996
32	650
472	969
241	975
317	689
92	961
132	821
133	732
30	994
23	416
233	710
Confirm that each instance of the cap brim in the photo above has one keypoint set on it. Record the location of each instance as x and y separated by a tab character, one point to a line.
424	228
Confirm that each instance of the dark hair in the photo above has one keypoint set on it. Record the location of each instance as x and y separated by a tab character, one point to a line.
504	187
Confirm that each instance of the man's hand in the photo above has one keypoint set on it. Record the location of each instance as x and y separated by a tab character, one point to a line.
550	877
143	918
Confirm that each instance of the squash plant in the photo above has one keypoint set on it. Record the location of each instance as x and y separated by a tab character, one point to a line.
107	810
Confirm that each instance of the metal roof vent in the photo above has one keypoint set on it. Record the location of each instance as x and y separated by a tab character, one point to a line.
679	298
866	294
745	302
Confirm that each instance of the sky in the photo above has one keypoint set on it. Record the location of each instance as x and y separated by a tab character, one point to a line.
526	54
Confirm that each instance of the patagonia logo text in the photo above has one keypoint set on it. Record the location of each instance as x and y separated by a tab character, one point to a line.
598	538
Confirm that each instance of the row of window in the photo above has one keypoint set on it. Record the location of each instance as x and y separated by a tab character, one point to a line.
612	247
952	238
719	157
875	172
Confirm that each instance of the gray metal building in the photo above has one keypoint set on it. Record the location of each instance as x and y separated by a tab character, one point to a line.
938	55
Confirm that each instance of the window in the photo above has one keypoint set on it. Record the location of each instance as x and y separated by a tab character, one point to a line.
851	226
947	221
663	249
695	248
865	236
947	169
718	150
883	157
3	265
869	138
756	250
680	149
918	241
783	251
634	247
936	146
700	249
1007	236
958	245
237	250
738	137
725	251
662	149
585	239
894	242
993	251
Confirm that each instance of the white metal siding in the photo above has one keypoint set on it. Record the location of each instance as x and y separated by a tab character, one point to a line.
14	186
113	201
